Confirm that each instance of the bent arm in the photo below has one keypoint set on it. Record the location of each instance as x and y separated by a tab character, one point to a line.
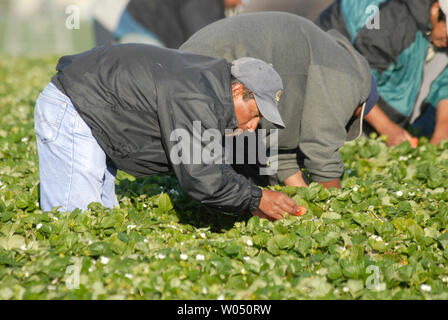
441	129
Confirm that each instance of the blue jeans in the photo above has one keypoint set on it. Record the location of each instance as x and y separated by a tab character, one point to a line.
74	170
426	122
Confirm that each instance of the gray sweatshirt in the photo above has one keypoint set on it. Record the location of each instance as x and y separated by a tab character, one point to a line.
324	79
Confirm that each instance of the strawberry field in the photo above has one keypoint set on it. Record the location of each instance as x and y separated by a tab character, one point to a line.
382	236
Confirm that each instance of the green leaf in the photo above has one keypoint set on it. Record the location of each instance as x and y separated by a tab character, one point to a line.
272	247
331	215
303	246
164	203
13	242
100	248
305	229
314	287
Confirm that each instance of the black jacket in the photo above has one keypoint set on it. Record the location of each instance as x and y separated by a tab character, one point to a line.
174	21
134	96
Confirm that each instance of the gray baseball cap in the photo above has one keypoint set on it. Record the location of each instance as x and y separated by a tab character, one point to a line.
265	83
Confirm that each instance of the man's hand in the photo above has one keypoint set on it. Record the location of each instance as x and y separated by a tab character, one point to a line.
396	135
383	125
273	205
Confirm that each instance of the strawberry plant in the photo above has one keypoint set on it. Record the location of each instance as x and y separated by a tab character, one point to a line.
381	236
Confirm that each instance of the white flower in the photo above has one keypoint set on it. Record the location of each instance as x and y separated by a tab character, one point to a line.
161	256
411	194
90	242
104	260
24	139
200	257
182	243
376	238
204	290
425	287
246	258
355	189
23	247
249	243
445	279
399	193
131	226
243	271
371	208
55	218
202	235
144	205
221	297
345	289
183	256
39	226
128	275
145	240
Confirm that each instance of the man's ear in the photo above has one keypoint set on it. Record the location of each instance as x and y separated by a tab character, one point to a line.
434	15
237	89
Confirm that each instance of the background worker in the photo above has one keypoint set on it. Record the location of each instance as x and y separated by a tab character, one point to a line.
404	43
165	23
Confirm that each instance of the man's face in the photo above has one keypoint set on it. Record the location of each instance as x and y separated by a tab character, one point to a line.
439	36
247	112
439	32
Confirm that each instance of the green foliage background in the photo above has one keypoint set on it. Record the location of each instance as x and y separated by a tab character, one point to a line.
382	236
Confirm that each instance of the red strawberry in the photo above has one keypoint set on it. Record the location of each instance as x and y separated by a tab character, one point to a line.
300	212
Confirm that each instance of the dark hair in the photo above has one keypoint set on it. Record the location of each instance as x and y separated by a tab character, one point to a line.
247	94
442	16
